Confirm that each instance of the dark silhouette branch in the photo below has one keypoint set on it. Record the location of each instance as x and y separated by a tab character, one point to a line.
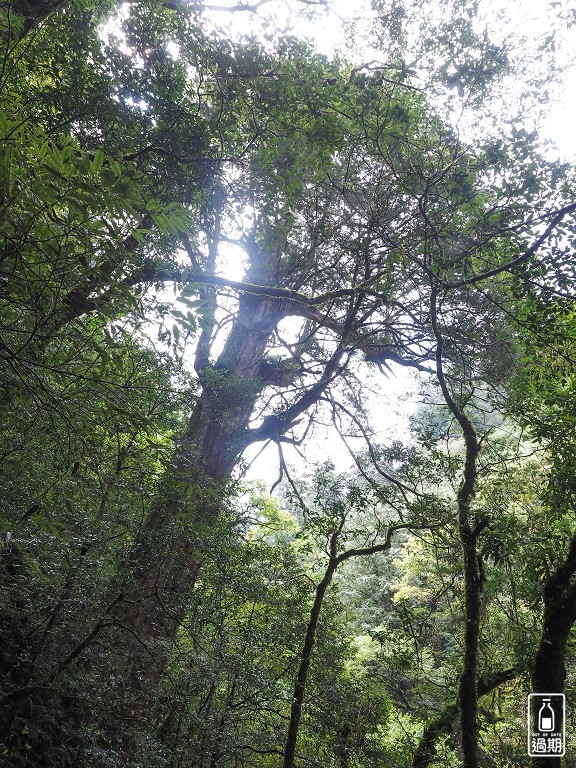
549	673
509	266
31	12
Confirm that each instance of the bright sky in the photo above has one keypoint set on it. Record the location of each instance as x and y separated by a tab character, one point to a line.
330	33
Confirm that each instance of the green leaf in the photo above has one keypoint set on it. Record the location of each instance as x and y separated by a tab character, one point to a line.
98	161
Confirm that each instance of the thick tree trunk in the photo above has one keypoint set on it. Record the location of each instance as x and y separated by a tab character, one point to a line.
164	564
191	491
23	15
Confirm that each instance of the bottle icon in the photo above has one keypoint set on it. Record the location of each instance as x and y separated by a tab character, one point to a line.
546	717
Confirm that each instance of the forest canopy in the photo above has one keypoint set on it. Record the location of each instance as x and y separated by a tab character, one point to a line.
214	242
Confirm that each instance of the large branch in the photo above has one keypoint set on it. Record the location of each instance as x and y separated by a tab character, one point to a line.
297	304
510	265
384	546
287	293
85	299
32	13
274	426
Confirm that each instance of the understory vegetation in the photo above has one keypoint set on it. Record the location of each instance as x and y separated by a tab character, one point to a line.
213	242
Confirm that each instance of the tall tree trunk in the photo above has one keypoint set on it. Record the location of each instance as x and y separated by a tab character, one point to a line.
473	580
304	667
335	560
443	723
165	560
549	672
473	574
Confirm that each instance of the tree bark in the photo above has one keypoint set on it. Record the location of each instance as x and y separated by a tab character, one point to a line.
31	12
167	555
442	724
165	560
473	573
549	672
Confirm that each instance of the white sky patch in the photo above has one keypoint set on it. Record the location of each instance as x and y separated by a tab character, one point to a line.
113	30
389	399
233	262
560	124
538	20
173	50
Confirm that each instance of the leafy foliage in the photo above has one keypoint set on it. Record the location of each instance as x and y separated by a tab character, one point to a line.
155	611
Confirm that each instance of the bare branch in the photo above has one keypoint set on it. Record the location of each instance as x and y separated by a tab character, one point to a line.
386	544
